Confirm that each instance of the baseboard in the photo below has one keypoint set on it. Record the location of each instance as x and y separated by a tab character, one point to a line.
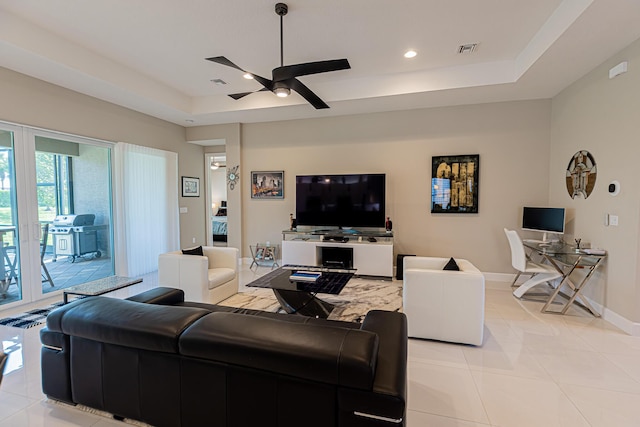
499	281
628	326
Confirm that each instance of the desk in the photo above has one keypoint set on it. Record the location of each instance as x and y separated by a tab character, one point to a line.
566	259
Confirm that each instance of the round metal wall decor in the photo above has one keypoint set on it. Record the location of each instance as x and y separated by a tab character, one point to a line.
233	177
581	174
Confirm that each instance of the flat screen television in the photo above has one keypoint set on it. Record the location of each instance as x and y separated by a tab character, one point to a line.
544	220
356	200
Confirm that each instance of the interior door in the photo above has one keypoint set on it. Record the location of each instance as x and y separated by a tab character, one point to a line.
216	198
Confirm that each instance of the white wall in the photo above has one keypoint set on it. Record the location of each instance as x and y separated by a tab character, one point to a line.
28	101
602	116
512	140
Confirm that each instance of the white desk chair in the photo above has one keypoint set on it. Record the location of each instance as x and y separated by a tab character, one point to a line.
540	273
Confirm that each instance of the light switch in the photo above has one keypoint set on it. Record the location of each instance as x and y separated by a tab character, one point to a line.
613	220
183	209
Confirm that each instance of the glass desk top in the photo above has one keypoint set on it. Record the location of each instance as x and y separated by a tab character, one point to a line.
564	252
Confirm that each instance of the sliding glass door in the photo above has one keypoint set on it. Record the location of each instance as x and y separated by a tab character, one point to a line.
55	212
10	279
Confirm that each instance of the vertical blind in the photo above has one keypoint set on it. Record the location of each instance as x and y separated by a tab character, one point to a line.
146	207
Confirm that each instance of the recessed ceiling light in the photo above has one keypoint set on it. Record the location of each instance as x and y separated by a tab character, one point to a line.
189	120
410	54
247	76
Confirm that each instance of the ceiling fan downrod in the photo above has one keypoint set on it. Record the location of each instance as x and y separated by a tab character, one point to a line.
281	10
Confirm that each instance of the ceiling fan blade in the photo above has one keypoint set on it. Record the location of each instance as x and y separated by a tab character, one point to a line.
268	84
237	96
306	93
224	61
291	71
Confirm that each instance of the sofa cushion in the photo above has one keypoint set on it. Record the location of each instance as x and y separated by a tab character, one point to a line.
323	353
193	251
128	323
160	295
220	276
278	316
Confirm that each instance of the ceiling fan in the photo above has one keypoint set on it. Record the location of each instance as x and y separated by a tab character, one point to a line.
283	78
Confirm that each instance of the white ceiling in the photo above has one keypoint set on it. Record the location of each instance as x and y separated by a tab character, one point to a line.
148	55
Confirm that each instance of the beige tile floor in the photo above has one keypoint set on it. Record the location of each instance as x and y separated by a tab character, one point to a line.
534	369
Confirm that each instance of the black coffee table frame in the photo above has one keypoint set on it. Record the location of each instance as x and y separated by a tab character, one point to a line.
299	297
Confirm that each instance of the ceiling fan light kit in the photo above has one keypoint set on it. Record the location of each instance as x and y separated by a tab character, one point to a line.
282	92
284	78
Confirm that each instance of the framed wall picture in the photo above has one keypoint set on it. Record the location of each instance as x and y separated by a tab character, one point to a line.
454	184
267	185
190	186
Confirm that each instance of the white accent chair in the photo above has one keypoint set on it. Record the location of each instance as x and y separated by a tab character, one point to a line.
210	278
441	304
541	273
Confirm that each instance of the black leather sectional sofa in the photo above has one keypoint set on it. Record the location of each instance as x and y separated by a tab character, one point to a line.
158	359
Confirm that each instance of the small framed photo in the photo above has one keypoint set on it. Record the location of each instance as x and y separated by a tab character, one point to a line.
267	185
190	186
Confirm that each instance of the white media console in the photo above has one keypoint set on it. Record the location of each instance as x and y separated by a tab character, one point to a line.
370	253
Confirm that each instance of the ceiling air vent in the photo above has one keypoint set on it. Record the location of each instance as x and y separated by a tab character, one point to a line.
219	82
467	48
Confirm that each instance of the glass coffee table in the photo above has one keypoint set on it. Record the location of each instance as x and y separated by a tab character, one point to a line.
299	296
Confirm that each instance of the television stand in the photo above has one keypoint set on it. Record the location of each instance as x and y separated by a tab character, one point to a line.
369	252
336	238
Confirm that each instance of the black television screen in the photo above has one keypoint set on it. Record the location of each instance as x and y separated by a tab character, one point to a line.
356	200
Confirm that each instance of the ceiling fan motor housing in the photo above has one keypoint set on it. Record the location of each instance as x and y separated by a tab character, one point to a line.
282	9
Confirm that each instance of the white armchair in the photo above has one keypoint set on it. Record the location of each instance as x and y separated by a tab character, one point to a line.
210	278
441	304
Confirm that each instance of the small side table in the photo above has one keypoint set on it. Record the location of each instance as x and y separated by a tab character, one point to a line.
264	255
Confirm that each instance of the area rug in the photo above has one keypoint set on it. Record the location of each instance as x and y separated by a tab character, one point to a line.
352	304
97	412
30	318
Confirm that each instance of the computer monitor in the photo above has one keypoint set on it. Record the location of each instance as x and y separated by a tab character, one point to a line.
543	220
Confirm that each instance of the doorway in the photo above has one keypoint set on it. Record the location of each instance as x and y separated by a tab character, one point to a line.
217	230
55	213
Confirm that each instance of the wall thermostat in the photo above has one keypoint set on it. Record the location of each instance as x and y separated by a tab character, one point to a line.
614	188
